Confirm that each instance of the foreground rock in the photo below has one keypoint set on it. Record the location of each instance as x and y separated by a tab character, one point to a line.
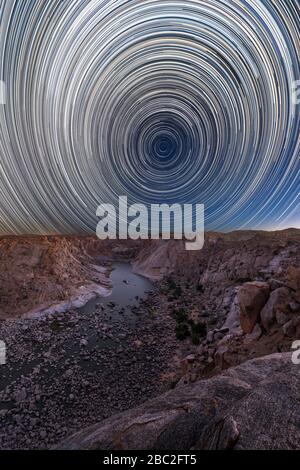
252	406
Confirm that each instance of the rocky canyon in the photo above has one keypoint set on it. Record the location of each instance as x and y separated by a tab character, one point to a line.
144	345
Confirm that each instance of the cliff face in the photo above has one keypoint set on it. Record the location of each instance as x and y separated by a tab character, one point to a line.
39	271
210	279
225	258
158	258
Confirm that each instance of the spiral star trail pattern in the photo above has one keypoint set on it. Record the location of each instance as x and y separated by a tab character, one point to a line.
163	101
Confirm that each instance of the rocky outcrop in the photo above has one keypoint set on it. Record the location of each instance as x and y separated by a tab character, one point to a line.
252	298
252	406
226	262
207	288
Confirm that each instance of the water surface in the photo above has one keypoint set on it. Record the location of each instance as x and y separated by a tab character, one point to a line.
127	289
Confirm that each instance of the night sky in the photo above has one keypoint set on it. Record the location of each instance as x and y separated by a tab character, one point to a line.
162	101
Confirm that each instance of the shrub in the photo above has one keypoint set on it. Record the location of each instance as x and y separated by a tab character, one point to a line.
171	283
195	338
180	315
199	329
182	331
177	292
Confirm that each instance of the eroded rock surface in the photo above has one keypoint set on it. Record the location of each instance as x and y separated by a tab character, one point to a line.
44	271
278	303
252	298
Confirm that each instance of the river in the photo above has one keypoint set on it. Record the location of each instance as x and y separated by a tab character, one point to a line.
127	290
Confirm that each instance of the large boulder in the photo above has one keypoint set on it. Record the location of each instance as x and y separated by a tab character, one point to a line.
292	327
278	302
252	297
252	406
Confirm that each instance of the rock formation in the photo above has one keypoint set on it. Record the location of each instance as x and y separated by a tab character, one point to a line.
252	298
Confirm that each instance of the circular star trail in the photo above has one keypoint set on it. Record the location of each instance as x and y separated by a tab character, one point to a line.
162	101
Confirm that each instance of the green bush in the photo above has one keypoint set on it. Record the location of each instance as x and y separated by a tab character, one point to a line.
182	331
199	329
175	290
180	315
195	338
178	291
